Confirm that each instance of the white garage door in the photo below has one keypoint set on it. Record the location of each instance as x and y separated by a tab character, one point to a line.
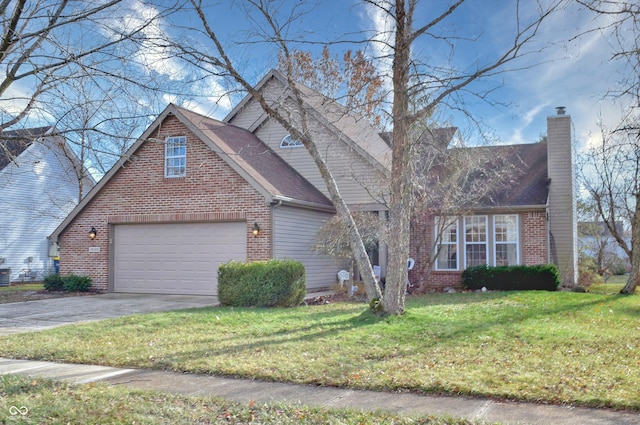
175	258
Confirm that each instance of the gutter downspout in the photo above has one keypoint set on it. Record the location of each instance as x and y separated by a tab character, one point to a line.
273	228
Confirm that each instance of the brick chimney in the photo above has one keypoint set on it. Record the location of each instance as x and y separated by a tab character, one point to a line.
561	209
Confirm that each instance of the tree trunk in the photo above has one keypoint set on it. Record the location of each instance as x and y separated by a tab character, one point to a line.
355	239
400	201
634	276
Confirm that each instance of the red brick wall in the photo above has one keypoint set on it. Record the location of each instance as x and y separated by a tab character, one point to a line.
139	192
533	250
534	238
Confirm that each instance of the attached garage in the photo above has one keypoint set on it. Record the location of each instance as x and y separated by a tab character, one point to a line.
174	258
182	201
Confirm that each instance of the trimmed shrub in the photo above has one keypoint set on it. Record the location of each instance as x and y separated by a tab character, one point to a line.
512	278
273	283
74	283
53	282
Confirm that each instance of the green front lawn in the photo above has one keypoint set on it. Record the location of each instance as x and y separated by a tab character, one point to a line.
29	401
556	347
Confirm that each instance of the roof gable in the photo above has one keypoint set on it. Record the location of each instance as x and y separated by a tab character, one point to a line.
241	150
345	124
256	161
13	143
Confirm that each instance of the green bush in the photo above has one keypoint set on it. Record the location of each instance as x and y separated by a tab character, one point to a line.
53	282
273	283
74	283
512	278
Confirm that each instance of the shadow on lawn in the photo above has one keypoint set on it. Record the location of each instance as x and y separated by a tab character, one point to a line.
423	330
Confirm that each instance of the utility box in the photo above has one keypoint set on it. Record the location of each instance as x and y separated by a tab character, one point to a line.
5	277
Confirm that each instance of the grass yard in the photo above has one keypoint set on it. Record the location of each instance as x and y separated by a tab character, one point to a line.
17	293
556	347
47	402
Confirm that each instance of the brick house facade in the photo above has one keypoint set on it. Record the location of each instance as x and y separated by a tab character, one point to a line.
240	173
426	277
137	192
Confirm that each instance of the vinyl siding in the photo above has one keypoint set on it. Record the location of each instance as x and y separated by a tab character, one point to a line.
562	208
359	181
295	231
36	194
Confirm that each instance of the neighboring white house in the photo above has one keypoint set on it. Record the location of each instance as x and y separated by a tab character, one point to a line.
596	241
38	188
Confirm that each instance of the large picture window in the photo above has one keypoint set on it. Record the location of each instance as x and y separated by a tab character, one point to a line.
175	157
475	240
447	248
505	229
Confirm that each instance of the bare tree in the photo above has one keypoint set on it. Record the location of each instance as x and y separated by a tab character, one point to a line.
611	173
612	176
82	67
411	77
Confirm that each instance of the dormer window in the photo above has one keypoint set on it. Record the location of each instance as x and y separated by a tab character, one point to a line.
175	157
290	142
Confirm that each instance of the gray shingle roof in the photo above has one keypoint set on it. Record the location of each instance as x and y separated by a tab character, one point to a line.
504	176
13	143
258	160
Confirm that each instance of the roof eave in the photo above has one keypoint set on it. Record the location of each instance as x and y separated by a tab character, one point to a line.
170	109
283	200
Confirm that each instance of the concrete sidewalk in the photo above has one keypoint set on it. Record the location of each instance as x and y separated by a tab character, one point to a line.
244	391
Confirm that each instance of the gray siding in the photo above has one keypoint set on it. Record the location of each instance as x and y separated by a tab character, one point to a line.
358	180
295	231
563	225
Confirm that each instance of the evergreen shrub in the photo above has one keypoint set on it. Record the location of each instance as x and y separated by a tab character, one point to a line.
512	278
273	283
53	282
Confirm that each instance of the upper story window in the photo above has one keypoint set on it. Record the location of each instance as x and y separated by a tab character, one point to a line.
290	142
175	157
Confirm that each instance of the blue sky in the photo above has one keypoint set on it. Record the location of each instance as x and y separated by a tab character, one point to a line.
568	71
571	72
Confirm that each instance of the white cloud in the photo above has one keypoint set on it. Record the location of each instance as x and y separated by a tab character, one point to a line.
153	55
378	22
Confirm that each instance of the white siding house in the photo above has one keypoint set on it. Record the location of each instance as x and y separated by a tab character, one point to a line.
38	188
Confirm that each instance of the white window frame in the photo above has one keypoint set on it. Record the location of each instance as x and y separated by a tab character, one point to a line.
515	242
442	226
288	142
465	243
175	165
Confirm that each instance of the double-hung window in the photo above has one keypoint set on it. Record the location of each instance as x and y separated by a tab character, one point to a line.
481	240
447	247
175	157
506	240
475	240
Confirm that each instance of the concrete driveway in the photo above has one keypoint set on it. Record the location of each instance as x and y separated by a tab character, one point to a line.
42	314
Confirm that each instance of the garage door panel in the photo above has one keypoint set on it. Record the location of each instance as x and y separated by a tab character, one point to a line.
175	258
